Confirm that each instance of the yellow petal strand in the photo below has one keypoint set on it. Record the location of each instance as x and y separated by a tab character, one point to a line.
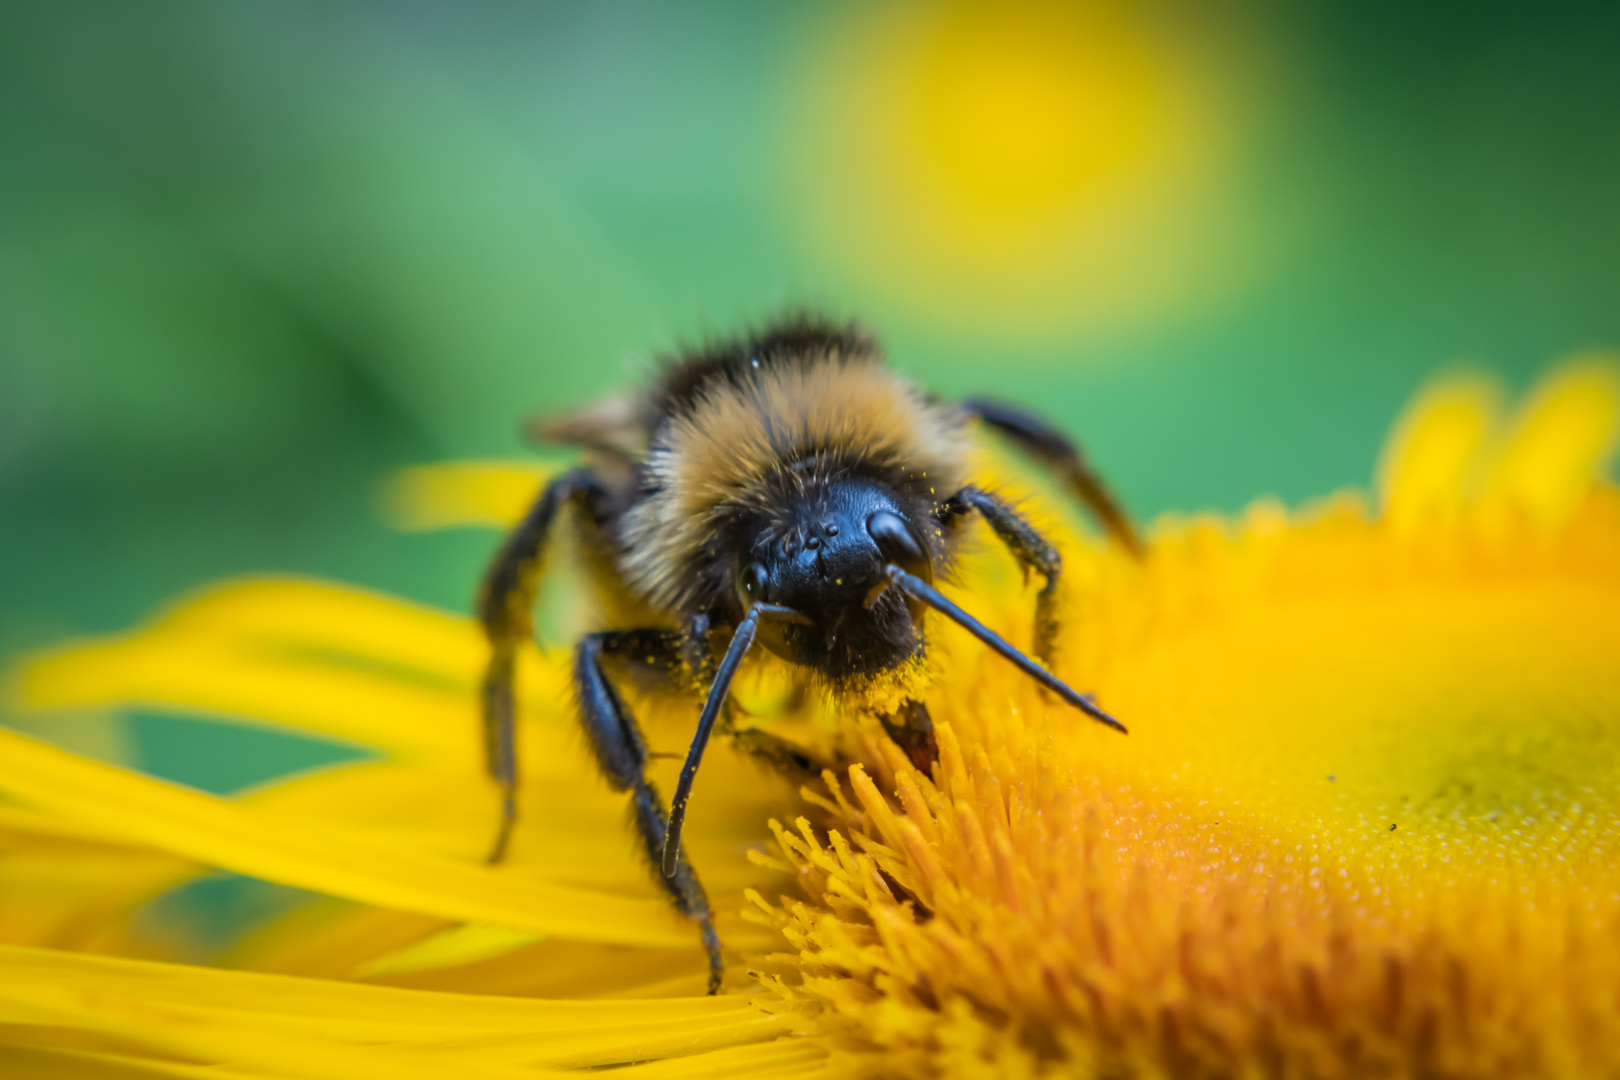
20	1062
462	493
344	619
566	813
1430	456
337	661
571	828
328	939
94	732
450	947
69	886
337	939
784	1059
432	1014
559	1042
571	1044
1561	440
578	969
24	822
486	1031
240	1039
326	859
585	843
215	679
80	897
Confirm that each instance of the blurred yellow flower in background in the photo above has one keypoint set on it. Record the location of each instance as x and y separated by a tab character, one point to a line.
1031	166
1363	824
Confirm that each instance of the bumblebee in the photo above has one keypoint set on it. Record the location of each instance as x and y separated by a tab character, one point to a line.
784	488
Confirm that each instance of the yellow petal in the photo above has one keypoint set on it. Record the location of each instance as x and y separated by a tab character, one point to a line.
1561	441
28	1062
98	733
462	493
331	660
326	859
276	1022
580	970
69	886
1430	459
208	1036
310	615
451	947
336	939
368	1008
324	659
328	939
784	1059
217	680
571	822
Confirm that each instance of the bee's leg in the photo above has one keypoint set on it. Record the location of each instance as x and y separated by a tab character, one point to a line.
912	729
1058	452
783	755
1027	546
506	609
621	752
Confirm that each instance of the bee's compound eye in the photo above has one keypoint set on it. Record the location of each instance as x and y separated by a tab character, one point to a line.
754	581
898	543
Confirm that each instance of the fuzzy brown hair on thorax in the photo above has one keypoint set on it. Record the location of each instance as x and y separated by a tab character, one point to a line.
734	435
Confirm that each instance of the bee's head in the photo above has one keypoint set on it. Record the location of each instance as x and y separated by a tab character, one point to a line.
823	555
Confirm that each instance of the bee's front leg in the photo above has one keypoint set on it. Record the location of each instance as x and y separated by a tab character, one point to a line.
1029	547
620	750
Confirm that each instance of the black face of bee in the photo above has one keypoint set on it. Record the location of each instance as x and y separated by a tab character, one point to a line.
824	559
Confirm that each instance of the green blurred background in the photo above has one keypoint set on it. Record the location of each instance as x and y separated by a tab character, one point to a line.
254	256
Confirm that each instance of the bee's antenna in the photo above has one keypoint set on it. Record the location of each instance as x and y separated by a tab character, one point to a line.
741	640
919	589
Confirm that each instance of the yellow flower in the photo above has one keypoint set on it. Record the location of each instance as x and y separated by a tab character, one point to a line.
1032	166
1363	825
